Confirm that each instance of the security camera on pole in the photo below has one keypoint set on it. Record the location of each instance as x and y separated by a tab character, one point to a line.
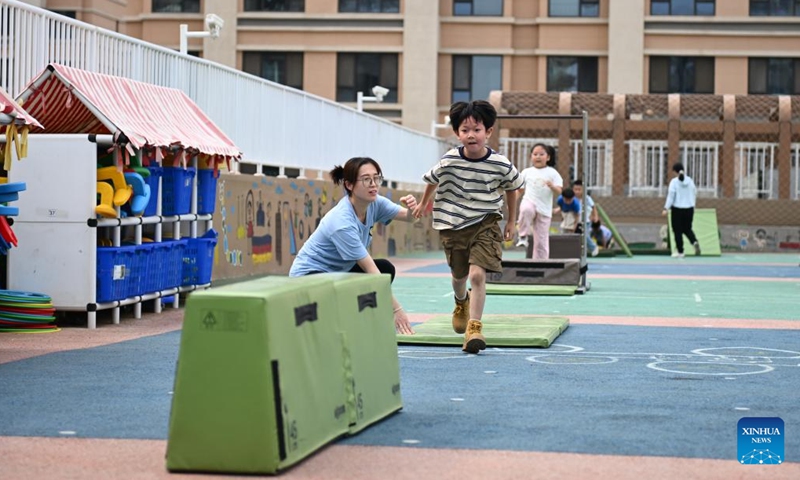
213	24
378	92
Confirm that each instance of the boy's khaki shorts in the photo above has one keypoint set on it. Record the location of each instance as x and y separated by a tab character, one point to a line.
479	244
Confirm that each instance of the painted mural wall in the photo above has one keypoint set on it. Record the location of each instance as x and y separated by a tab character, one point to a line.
264	221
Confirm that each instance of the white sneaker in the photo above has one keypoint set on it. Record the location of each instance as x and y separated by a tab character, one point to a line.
595	251
523	242
677	255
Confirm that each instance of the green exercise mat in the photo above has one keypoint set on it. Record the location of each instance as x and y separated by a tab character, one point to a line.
524	289
614	232
499	330
705	229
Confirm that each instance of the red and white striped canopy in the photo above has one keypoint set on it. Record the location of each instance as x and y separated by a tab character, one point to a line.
69	100
10	111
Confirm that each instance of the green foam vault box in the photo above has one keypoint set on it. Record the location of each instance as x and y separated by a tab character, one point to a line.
259	382
271	370
367	323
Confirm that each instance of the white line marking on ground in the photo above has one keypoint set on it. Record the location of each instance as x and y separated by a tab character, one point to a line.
411	441
697	298
66	432
457	399
742	409
490	371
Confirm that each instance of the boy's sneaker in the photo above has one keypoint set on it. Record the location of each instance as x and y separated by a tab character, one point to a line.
522	242
461	315
474	341
696	248
677	255
595	251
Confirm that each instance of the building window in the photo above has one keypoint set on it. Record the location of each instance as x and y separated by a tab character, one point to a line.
477	8
682	7
359	72
274	5
369	6
572	74
474	76
774	76
574	8
176	6
774	8
285	68
681	75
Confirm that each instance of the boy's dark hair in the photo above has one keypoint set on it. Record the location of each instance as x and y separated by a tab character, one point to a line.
596	225
578	182
481	110
678	168
551	152
568	193
349	172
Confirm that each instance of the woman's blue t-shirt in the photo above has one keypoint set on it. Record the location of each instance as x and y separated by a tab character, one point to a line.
341	239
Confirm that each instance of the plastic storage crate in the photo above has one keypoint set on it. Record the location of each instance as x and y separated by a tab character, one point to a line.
152	181
198	259
171	265
206	190
115	267
176	198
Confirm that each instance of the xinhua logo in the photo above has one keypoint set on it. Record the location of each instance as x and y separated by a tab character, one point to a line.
760	440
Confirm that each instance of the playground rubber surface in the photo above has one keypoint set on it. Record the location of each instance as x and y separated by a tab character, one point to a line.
662	358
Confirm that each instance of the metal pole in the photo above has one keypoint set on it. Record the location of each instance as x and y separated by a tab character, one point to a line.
585	148
184	39
360	101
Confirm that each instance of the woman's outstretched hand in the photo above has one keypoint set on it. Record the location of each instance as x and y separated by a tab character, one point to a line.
401	324
408	201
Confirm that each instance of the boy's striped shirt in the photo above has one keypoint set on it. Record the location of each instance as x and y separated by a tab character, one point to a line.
468	190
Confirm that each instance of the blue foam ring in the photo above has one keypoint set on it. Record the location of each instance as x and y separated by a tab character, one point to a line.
28	297
9	211
141	192
12	187
9	197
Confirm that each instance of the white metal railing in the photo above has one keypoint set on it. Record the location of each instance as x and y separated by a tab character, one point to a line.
272	124
647	168
597	177
755	170
701	160
518	150
795	181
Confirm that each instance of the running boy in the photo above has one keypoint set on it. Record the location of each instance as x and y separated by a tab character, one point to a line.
468	182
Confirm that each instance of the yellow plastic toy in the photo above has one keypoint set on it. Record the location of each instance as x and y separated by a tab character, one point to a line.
122	191
104	208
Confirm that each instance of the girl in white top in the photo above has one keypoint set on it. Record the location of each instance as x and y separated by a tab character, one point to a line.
542	182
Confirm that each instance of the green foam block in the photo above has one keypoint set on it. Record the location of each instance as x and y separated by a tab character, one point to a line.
260	378
523	289
371	367
499	330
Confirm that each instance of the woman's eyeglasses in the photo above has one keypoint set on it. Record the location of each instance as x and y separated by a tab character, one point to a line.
377	180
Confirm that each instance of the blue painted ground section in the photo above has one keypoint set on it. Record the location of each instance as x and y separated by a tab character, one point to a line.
592	392
676	267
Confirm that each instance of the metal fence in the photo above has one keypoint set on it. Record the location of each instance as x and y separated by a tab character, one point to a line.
272	124
743	152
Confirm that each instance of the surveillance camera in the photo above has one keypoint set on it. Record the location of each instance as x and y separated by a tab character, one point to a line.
214	24
380	92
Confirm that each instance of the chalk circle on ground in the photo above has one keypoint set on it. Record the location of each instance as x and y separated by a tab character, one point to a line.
706	368
750	352
570	359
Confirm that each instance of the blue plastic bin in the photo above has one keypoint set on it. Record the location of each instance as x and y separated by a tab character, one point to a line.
152	181
206	190
115	272
176	198
198	259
